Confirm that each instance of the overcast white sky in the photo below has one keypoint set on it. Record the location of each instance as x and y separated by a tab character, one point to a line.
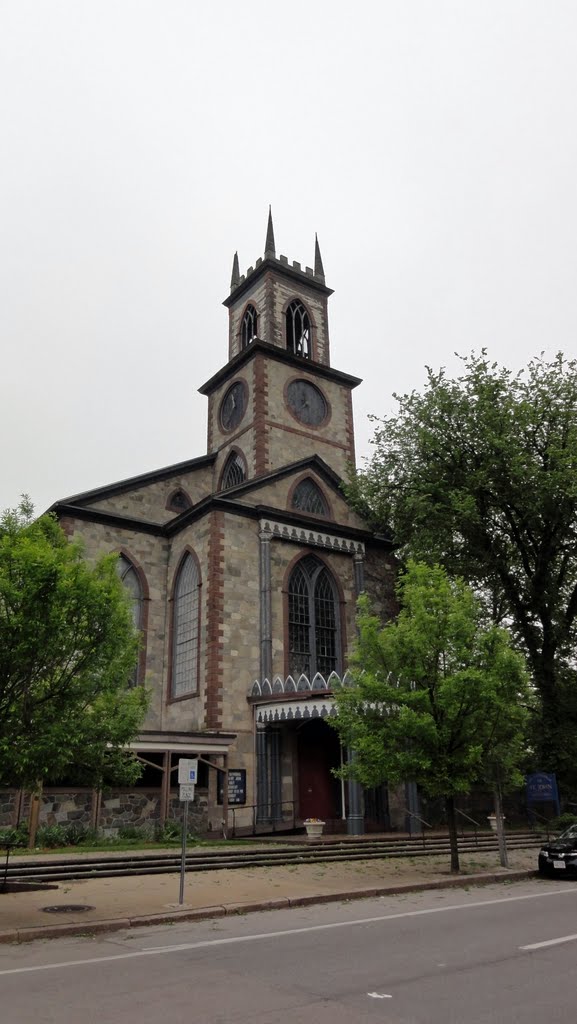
432	145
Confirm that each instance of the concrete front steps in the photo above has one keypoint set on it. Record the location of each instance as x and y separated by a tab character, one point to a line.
307	851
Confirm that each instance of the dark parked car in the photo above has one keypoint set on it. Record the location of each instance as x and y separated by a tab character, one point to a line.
559	856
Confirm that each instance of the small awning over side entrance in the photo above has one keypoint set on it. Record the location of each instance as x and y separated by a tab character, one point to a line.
183	743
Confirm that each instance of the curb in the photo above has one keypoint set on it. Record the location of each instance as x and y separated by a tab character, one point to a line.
57	931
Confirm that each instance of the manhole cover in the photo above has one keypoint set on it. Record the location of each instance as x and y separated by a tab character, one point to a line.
67	908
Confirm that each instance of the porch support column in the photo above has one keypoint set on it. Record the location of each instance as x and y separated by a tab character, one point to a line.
356	818
261	776
414	823
225	795
359	570
265	606
275	775
165	787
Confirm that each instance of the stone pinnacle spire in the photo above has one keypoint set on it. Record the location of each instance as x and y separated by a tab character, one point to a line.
269	247
235	276
319	269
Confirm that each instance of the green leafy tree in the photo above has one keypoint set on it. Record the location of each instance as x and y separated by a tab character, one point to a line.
438	697
67	650
479	474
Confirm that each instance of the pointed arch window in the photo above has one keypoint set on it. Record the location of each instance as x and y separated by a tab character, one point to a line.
185	629
298	330
313	620
248	326
131	582
178	501
234	471
307	497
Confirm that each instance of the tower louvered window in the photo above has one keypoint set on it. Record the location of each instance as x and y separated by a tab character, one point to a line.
307	497
298	330
132	584
313	620
185	630
248	326
234	471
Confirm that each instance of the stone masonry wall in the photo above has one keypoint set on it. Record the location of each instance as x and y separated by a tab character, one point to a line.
120	808
149	502
149	554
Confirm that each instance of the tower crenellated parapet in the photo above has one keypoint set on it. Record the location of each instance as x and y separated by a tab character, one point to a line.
286	304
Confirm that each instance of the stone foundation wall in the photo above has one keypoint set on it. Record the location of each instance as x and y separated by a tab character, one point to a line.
134	808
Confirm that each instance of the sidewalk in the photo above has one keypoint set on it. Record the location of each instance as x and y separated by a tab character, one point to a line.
134	901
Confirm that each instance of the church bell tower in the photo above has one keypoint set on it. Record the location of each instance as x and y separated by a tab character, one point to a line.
277	399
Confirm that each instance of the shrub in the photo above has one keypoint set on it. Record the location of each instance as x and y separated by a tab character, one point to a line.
15	836
563	821
169	832
51	836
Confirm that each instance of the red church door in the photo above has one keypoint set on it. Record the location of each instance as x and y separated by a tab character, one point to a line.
318	752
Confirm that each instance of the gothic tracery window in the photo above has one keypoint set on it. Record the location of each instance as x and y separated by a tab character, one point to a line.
234	471
298	330
248	326
313	621
307	497
185	629
133	586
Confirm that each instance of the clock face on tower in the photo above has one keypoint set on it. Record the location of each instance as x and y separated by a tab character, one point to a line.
306	402
233	406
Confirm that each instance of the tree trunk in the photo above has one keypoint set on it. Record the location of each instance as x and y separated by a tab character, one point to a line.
34	815
452	826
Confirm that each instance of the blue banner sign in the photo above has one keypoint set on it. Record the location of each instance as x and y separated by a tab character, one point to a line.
542	788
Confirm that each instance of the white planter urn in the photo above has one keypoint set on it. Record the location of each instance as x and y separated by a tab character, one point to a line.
492	819
314	828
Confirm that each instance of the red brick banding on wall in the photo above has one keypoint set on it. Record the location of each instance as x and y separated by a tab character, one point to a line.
215	621
272	334
260	400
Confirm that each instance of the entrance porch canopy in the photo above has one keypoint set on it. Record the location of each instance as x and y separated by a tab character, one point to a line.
183	743
168	744
290	700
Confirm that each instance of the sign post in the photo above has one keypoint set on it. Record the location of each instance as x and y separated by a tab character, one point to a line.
187	774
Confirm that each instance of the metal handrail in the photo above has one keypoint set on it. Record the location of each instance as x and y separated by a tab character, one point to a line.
412	814
273	811
473	822
535	814
8	845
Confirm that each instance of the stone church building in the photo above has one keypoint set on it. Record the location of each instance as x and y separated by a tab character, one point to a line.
244	565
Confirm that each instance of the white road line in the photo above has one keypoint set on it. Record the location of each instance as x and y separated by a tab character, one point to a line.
378	995
550	942
260	936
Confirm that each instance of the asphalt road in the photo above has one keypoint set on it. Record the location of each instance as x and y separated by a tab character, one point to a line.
506	953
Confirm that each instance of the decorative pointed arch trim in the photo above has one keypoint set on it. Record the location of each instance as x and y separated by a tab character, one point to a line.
248	326
141	603
234	471
185	619
306	495
178	501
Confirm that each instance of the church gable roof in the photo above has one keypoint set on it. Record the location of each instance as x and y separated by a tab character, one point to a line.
152	497
274	493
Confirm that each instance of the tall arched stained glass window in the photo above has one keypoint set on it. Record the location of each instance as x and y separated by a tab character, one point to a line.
131	582
314	643
248	326
185	629
298	330
307	497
